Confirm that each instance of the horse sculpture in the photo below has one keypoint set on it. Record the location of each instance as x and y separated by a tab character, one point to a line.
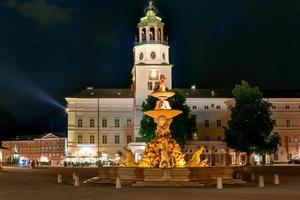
129	159
196	161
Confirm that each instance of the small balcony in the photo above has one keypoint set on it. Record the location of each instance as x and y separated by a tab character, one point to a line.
164	42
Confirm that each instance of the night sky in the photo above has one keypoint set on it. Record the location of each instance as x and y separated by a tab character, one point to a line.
50	49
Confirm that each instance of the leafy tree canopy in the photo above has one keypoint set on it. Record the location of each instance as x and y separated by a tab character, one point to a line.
250	128
182	127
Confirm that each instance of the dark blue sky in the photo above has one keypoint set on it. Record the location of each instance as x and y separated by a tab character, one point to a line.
52	48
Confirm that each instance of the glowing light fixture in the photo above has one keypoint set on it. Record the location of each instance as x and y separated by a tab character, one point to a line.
44	159
86	151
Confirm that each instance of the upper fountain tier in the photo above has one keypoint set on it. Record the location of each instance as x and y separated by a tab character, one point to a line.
162	107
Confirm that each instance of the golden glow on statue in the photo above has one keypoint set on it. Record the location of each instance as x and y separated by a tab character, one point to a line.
129	162
163	151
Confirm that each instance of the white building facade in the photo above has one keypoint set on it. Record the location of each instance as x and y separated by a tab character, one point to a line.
103	121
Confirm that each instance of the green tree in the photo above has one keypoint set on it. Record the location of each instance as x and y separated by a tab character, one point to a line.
182	127
250	127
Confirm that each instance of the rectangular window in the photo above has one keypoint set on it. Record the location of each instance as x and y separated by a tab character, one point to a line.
79	123
104	139
194	107
219	123
206	107
206	123
156	86
117	139
275	123
287	107
150	86
92	139
274	107
218	107
104	123
219	138
288	123
206	138
129	123
117	123
275	156
289	156
92	123
129	139
79	139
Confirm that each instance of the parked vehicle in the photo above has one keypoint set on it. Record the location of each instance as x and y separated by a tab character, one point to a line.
294	161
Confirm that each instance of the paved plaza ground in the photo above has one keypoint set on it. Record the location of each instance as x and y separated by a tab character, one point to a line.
40	184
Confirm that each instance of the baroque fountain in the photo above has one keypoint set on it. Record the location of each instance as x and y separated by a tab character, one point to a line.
163	163
163	151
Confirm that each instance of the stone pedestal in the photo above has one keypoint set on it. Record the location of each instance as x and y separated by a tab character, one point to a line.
167	175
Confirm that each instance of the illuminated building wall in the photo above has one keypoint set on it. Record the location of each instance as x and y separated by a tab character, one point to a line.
151	59
48	146
99	121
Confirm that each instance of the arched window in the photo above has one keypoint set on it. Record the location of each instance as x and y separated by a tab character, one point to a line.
143	34
152	34
159	34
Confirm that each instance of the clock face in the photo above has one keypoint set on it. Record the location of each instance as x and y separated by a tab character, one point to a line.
164	56
153	55
141	56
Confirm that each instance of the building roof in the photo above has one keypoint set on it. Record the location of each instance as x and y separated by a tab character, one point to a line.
207	93
103	93
188	93
226	93
32	137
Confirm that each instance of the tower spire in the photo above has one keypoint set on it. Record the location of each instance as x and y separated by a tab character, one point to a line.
150	7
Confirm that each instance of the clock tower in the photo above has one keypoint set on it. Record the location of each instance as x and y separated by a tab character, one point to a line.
151	59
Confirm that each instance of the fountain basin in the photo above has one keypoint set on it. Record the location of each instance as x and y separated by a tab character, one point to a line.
169	114
136	174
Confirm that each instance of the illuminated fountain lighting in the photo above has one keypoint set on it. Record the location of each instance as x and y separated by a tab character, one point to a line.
163	151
